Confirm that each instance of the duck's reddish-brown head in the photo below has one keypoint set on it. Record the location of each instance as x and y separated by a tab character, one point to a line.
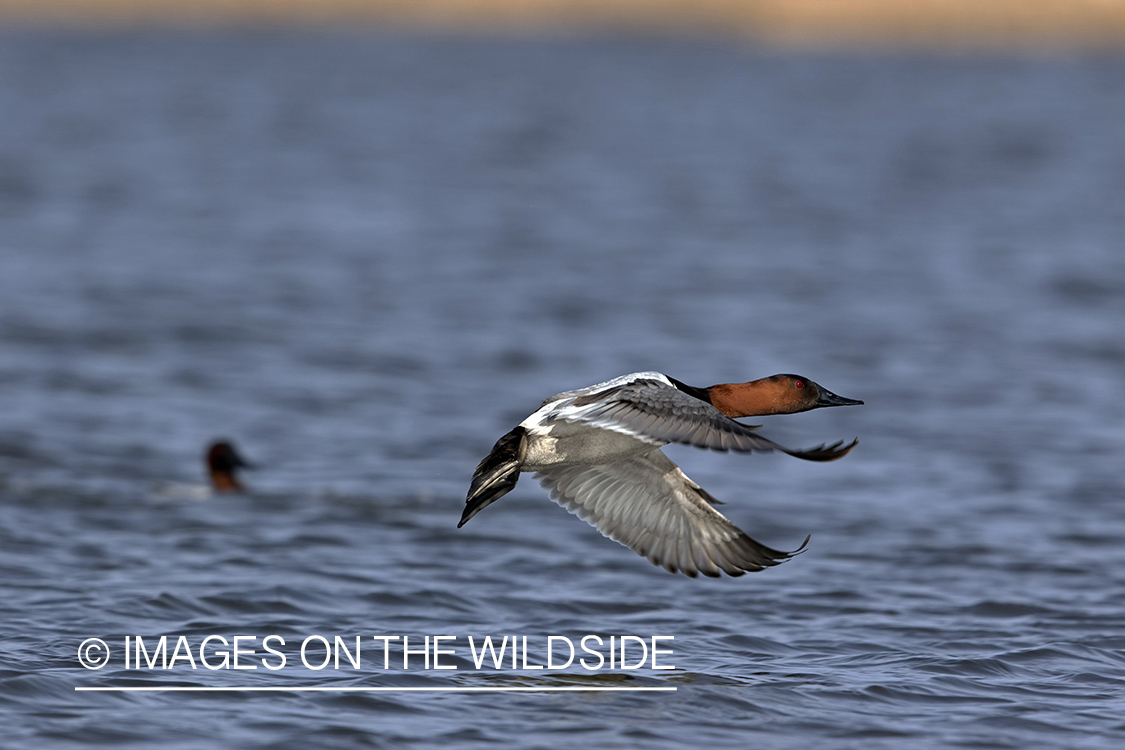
777	394
222	462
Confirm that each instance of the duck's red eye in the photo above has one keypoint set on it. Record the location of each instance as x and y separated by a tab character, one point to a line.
799	384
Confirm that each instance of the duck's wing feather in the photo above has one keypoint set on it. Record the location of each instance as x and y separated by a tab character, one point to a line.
648	504
659	413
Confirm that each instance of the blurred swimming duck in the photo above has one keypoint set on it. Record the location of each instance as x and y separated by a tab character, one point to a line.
222	463
597	451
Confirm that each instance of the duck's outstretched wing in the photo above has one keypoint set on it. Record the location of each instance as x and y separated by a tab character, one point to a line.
659	413
650	506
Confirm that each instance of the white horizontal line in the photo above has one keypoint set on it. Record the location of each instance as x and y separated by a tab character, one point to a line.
300	688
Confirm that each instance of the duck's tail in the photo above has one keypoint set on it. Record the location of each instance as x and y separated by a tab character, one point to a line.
497	474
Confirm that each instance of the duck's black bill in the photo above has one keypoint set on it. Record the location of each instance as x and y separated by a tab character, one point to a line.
238	462
828	398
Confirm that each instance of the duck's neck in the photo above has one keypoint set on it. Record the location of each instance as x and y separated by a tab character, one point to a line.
758	398
224	481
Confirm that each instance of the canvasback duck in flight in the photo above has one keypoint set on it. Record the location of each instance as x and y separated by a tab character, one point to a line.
222	463
597	451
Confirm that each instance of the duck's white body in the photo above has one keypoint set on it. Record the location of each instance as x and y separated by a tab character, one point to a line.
562	432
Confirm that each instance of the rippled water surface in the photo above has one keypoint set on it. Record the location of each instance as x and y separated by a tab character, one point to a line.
365	258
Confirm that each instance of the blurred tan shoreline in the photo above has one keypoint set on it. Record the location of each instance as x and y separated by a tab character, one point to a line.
927	23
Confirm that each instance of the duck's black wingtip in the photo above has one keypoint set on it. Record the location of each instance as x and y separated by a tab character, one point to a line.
802	548
823	453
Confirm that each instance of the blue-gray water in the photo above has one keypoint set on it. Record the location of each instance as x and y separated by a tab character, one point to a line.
365	258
